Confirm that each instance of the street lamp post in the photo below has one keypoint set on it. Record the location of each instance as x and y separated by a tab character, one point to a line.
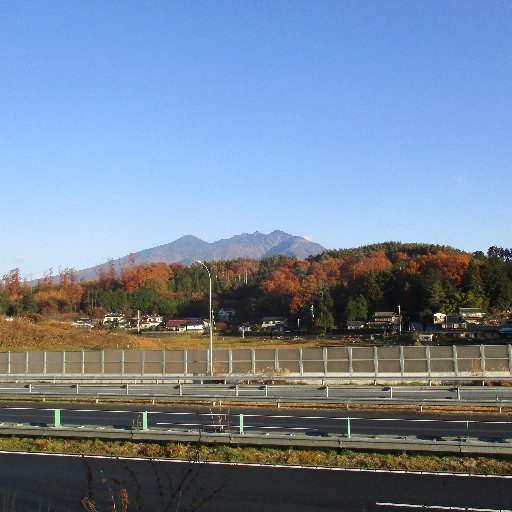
210	361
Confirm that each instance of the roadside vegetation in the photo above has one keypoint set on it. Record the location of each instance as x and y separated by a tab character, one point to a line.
224	453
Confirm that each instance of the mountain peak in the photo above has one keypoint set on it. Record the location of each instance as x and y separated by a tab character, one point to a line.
189	248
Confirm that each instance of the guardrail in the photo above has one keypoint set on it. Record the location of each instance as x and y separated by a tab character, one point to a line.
461	397
269	378
462	436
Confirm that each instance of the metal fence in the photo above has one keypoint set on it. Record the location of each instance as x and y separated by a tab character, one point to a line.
332	362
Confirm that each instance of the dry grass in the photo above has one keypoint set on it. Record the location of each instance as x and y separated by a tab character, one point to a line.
224	453
21	335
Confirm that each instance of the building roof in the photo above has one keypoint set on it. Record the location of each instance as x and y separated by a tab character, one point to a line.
183	321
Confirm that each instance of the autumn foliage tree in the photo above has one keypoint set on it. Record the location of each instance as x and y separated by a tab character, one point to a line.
153	275
338	285
12	285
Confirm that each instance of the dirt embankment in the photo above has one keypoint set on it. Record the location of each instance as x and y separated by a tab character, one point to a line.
21	335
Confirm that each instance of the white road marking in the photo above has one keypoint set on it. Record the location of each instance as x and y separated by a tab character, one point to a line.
246	464
175	413
19	408
182	424
441	507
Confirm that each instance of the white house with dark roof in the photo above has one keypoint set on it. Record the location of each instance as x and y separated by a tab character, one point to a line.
274	322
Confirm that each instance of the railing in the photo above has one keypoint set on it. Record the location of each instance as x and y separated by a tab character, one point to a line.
496	398
219	426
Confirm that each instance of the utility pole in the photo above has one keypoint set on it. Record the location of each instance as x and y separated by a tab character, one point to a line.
210	365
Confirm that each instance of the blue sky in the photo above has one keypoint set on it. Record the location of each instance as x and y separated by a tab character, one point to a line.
127	124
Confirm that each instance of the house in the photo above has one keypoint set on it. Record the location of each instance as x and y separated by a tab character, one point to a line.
274	323
386	317
114	320
176	325
454	323
439	318
226	315
149	321
472	315
185	324
196	324
384	320
356	324
506	332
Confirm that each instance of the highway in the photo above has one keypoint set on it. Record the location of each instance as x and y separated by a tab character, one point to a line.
225	420
68	483
289	392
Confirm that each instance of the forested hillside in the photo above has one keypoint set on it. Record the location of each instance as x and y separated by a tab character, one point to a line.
341	285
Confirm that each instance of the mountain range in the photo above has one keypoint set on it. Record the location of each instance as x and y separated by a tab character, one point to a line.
188	249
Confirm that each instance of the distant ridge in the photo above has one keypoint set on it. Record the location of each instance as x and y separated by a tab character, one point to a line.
189	248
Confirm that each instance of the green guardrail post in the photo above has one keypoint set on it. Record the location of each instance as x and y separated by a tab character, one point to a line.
348	427
56	421
145	420
241	427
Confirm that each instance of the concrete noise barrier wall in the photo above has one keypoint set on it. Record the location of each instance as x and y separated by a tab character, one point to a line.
336	362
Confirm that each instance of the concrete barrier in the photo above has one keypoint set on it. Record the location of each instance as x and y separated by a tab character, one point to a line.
335	363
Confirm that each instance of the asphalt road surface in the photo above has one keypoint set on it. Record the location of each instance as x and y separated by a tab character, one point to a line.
70	483
313	422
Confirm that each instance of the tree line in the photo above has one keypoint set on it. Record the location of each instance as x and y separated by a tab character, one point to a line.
326	290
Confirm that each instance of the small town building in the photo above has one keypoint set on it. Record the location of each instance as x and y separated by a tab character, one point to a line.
472	315
356	324
226	315
185	324
274	323
454	323
176	325
149	321
384	320
115	320
439	318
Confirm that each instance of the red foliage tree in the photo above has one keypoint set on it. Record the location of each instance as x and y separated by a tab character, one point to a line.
442	265
152	275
